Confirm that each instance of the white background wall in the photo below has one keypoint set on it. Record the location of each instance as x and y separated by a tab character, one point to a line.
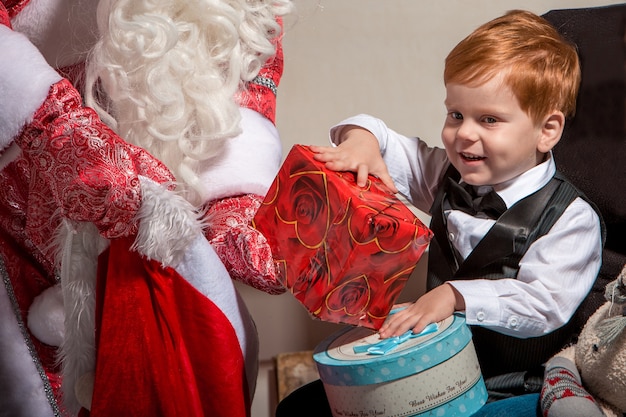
382	57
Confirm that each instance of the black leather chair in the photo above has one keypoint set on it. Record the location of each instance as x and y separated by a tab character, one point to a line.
592	152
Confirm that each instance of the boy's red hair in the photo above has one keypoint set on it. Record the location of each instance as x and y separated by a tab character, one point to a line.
541	67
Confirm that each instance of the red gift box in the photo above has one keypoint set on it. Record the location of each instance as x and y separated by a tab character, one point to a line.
344	251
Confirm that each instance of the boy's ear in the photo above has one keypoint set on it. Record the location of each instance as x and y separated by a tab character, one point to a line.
551	131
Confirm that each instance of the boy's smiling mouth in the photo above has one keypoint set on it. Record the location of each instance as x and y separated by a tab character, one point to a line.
471	157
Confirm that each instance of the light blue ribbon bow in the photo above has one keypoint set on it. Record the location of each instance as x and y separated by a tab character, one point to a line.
387	345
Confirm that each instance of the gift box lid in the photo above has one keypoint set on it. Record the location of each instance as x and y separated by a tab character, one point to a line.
339	364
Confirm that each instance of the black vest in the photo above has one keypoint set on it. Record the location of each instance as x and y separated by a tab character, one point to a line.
497	256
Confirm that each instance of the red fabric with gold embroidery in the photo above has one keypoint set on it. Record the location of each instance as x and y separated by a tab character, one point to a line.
178	356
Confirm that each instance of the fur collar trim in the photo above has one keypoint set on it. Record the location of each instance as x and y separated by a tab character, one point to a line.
25	79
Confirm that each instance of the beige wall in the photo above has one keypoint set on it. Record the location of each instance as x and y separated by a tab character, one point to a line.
383	57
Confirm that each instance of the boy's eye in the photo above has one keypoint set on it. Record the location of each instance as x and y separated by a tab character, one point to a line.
456	115
490	120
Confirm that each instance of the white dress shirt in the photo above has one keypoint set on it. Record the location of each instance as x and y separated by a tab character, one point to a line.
555	274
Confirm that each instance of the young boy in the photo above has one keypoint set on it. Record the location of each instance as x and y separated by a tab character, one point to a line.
520	267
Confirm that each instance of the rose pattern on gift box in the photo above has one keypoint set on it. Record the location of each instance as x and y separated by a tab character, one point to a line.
308	208
369	225
352	297
345	252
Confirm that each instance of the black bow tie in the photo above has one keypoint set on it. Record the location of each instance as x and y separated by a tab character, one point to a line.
463	197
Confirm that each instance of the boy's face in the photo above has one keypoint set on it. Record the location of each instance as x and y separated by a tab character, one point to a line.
488	138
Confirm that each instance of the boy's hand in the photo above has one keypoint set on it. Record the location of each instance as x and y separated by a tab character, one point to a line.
432	307
358	152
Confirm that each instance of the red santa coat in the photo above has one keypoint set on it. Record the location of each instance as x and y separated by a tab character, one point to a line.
62	166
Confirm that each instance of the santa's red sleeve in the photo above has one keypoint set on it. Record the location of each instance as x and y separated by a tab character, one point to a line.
61	169
241	178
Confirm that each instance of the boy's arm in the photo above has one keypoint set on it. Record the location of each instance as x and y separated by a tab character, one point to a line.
555	275
414	167
436	305
358	151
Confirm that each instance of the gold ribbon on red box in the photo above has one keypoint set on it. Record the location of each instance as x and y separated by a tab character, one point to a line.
344	251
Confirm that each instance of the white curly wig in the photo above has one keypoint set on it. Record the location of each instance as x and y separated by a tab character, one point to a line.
170	70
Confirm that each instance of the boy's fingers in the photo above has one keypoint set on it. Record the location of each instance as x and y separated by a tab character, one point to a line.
362	171
338	160
386	179
396	325
322	154
421	325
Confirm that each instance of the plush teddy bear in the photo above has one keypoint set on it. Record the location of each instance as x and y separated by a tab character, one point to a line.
589	378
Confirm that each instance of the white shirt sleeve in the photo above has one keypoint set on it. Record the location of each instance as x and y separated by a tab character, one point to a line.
415	168
555	275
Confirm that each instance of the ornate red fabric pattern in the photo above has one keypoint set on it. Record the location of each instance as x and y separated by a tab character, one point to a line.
345	252
243	250
80	169
71	166
14	6
257	95
4	16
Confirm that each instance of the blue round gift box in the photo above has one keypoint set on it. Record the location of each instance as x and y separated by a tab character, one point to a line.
435	374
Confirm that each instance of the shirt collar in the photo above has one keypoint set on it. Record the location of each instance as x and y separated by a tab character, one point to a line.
528	182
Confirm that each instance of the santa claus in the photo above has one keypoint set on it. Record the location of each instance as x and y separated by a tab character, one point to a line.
114	299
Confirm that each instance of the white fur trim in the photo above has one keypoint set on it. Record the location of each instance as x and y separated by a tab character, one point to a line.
170	232
80	246
25	80
204	270
46	316
168	224
21	388
249	162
